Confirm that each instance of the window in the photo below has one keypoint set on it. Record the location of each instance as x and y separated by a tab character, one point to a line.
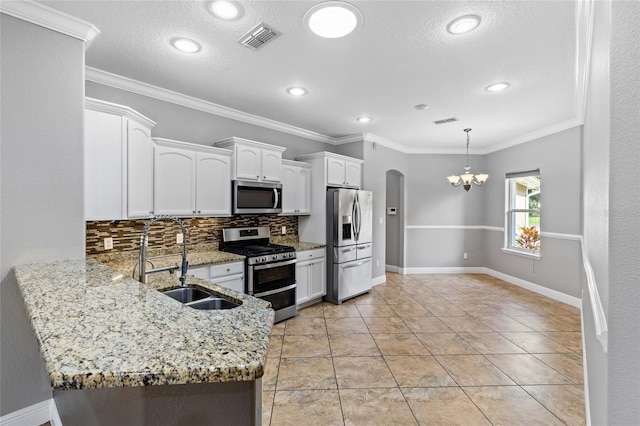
522	230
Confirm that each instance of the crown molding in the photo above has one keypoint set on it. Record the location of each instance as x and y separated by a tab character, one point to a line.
50	18
135	86
124	83
124	111
555	128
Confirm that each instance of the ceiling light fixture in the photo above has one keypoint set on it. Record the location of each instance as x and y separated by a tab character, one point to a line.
186	45
467	178
421	107
224	9
297	91
364	119
463	24
333	19
496	87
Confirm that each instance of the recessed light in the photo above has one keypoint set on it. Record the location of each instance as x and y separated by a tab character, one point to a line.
186	45
224	9
463	24
333	19
364	119
297	91
496	87
421	107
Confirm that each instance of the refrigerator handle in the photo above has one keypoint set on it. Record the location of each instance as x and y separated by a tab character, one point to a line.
354	213
357	216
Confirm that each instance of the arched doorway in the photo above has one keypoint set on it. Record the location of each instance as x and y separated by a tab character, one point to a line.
395	212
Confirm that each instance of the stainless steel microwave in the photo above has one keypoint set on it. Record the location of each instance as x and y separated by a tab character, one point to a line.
256	197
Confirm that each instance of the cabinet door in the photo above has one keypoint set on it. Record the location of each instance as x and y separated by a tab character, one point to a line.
289	189
213	184
317	285
235	283
174	181
271	165
202	273
103	174
353	175
139	171
303	191
335	172
248	161
302	280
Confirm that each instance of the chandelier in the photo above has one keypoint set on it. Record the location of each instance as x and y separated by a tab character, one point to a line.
467	178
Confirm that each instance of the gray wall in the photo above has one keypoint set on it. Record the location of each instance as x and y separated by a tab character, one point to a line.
191	125
558	156
611	213
395	224
42	206
376	163
624	208
432	201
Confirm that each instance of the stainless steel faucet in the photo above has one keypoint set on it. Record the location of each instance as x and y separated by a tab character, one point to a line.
142	257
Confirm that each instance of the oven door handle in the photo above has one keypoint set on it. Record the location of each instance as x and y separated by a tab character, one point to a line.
274	265
277	290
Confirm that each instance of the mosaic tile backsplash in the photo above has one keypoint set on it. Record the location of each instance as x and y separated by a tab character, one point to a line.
201	230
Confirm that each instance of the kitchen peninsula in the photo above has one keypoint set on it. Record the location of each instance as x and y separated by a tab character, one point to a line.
110	343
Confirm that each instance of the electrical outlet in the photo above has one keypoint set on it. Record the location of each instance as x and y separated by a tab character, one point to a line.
464	256
283	230
179	238
108	243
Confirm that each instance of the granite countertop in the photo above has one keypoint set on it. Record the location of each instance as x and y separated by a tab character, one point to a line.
97	329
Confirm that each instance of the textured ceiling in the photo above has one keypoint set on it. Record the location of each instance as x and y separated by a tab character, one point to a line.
400	57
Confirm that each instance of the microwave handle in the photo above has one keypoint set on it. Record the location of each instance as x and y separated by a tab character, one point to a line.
275	194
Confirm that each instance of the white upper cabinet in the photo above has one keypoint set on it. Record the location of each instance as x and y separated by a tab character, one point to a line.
191	180
213	183
339	170
254	160
118	162
139	171
174	180
296	188
343	172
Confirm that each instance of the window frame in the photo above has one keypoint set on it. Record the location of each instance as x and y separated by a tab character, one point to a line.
509	225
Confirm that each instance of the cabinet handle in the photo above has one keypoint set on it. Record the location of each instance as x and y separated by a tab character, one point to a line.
228	269
199	211
258	177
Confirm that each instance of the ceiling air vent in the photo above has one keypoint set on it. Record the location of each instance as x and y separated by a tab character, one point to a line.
258	36
446	120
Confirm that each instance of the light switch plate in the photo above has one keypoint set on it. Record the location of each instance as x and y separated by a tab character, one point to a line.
179	238
283	230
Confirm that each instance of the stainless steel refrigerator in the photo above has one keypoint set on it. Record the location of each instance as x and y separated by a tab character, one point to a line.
349	237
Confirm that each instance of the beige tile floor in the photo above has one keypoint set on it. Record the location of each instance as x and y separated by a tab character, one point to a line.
431	350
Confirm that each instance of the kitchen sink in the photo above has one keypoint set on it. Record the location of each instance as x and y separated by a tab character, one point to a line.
197	298
213	303
186	294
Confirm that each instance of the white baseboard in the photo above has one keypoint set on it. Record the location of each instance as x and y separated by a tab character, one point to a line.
446	270
393	268
554	294
378	280
36	414
536	288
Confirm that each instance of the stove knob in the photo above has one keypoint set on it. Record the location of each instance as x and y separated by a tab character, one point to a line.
274	257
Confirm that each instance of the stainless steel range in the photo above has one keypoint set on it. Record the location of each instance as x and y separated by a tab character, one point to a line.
270	269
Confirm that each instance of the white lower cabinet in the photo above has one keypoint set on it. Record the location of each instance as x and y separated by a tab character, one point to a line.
229	275
310	275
